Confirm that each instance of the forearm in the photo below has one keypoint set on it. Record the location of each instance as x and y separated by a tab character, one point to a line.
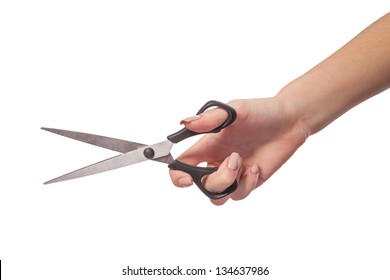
356	72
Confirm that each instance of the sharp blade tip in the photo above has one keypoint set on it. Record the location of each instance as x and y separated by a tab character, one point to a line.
46	129
55	180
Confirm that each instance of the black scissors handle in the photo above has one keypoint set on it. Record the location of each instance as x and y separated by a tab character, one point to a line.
186	133
198	172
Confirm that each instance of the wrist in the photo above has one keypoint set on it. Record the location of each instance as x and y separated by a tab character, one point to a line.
294	105
312	102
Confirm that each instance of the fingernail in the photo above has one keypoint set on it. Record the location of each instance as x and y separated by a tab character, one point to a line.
234	161
185	181
190	119
255	169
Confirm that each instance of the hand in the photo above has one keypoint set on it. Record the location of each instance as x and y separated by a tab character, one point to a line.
264	136
268	131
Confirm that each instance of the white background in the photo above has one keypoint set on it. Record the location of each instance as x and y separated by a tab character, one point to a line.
133	70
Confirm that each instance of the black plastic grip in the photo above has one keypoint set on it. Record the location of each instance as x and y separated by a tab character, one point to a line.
186	133
197	173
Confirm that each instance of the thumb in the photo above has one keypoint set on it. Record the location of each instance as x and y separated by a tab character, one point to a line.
205	121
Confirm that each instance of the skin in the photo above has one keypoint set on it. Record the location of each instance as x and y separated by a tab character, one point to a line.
276	127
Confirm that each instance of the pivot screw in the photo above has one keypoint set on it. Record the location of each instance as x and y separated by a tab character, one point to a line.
149	153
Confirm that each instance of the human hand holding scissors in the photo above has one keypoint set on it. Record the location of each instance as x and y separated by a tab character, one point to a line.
133	152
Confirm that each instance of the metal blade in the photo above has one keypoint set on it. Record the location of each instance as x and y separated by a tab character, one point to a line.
117	145
161	150
114	144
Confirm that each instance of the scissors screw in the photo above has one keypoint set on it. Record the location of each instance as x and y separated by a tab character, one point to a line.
149	153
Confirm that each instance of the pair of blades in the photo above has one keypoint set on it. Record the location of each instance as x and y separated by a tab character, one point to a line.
131	153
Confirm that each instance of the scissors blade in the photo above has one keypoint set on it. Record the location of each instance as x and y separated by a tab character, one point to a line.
117	145
161	150
114	144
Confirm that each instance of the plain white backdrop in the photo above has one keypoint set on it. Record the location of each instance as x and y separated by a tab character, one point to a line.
133	70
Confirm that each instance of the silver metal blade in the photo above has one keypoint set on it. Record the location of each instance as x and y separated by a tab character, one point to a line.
117	145
114	144
166	159
161	150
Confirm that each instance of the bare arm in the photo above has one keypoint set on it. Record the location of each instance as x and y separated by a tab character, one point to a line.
356	72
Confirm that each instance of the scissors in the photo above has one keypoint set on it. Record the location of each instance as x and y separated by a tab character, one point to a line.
132	152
